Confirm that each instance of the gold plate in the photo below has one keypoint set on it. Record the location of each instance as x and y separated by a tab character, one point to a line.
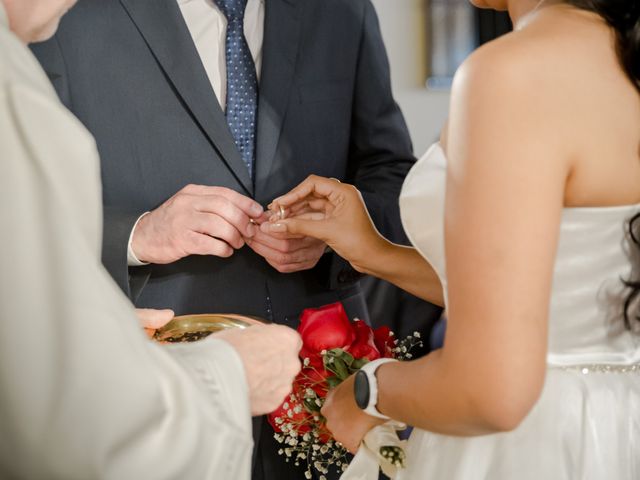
191	328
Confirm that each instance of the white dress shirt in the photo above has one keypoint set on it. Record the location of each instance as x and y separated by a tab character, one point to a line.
208	28
84	394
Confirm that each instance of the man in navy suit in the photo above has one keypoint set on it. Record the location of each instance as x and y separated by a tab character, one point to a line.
206	110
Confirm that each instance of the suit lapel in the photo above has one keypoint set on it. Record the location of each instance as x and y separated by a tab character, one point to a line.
161	24
280	49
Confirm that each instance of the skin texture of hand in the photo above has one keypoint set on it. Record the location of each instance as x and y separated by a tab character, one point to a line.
335	213
270	357
198	220
345	420
330	211
286	253
151	319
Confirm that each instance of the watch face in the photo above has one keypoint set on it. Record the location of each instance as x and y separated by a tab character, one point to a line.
361	390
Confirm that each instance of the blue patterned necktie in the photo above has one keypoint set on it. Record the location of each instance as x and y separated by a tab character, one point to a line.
242	82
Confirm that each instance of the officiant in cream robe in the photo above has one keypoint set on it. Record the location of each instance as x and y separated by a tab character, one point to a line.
83	395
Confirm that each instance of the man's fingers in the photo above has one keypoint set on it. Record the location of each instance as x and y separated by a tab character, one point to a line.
278	258
249	206
219	227
202	244
219	206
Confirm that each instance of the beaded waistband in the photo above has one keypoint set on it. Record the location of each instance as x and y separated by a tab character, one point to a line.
586	369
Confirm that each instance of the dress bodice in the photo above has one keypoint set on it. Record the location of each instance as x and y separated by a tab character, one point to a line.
585	315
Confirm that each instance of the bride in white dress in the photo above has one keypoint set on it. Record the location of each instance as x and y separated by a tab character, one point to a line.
523	213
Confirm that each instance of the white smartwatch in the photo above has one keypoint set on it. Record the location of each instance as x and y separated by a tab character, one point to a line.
365	388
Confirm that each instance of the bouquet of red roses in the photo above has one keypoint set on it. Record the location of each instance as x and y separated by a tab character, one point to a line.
333	349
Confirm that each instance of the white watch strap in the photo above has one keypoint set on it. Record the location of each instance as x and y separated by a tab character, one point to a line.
370	370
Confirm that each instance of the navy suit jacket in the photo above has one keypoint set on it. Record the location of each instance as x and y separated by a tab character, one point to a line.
129	70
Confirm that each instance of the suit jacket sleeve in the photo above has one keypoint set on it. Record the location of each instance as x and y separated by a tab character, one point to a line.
85	394
117	223
381	152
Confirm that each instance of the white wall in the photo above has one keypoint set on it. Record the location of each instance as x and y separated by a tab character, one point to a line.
404	28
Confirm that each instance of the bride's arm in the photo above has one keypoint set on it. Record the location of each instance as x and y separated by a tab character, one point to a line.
335	213
407	269
505	186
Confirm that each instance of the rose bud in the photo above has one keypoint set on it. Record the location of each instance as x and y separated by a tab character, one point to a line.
364	345
385	341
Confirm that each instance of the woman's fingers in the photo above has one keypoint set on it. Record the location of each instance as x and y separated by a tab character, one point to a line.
309	226
319	187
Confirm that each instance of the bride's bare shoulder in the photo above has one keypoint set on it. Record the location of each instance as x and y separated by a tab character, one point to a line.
553	54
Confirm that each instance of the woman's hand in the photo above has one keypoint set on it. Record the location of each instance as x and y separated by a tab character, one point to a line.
151	319
330	211
345	420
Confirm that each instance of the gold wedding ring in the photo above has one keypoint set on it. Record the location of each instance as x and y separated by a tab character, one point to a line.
282	213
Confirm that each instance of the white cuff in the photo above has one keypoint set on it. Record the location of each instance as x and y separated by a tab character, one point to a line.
218	368
132	259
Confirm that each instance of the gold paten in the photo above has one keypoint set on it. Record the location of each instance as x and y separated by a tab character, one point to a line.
190	328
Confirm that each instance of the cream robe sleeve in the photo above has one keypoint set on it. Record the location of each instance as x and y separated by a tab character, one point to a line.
83	394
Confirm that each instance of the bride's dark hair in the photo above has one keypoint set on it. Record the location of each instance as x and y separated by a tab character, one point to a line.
631	310
624	17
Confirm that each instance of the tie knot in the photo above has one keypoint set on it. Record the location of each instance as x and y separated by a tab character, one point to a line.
232	9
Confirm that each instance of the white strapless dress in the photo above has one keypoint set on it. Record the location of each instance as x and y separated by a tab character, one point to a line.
586	425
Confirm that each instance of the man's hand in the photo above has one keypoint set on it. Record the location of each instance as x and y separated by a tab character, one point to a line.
287	253
331	211
151	320
198	220
270	357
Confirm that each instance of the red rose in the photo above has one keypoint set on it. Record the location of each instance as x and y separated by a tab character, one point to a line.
302	420
384	339
364	345
324	328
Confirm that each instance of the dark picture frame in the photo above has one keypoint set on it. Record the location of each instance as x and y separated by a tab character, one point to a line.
456	28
